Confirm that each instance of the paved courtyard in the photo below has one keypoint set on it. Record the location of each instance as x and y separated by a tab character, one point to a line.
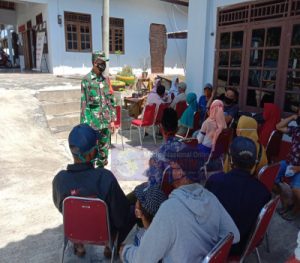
30	156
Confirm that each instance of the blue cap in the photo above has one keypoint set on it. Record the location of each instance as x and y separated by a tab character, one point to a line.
243	152
82	138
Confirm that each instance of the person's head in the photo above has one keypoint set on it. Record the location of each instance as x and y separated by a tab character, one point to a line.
185	163
231	96
242	153
160	90
216	109
149	199
169	122
181	87
247	127
208	90
83	143
99	62
191	97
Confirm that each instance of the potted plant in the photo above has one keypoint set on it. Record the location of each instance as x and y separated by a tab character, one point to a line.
118	85
126	75
145	66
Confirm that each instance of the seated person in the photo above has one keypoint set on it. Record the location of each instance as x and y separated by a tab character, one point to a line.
181	95
187	225
149	199
212	127
187	119
242	195
291	166
82	179
271	116
158	162
231	108
205	100
173	91
247	127
156	97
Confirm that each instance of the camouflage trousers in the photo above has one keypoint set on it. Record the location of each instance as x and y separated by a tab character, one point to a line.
103	147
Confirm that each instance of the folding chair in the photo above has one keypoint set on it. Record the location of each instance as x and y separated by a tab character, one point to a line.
273	146
86	221
165	186
220	251
221	148
118	124
263	221
267	175
147	120
180	108
160	112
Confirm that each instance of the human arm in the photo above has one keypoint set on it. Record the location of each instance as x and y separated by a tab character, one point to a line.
84	107
202	133
282	126
56	194
156	242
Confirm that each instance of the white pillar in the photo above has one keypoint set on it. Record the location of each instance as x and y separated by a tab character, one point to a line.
197	33
105	31
9	42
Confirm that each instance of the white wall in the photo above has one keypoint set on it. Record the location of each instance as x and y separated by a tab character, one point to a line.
202	26
7	17
137	15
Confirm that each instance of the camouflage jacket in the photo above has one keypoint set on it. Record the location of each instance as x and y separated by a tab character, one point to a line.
97	102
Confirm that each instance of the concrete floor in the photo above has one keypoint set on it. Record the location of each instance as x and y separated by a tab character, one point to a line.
31	227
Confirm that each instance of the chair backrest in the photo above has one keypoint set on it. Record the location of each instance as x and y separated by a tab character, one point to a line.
196	125
86	221
149	114
263	221
220	251
165	186
222	143
267	175
160	112
117	122
180	108
273	146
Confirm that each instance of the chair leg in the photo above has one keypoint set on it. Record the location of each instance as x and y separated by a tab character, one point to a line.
121	138
130	132
64	248
267	242
154	136
116	136
257	255
187	133
140	135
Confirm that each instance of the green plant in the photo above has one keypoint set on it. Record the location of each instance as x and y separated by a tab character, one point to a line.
117	83
126	71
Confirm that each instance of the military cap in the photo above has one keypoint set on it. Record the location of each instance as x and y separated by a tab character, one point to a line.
99	54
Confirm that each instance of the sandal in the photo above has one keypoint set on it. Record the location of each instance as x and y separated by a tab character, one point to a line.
289	216
79	250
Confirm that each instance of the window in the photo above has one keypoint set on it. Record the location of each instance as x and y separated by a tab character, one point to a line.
78	32
116	35
39	19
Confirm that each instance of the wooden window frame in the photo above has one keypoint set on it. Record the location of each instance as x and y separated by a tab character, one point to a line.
77	23
114	25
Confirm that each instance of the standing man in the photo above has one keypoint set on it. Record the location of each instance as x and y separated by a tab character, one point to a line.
98	104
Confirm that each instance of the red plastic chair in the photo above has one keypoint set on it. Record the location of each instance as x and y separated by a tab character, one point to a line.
273	146
220	251
165	186
221	148
180	108
118	124
148	120
263	221
86	221
267	175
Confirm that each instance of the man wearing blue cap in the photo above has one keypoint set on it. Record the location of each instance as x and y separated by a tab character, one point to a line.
82	179
98	104
187	225
242	195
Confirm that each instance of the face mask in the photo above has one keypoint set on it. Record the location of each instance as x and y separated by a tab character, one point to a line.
101	67
228	101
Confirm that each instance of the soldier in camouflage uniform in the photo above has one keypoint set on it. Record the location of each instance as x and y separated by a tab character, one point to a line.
98	104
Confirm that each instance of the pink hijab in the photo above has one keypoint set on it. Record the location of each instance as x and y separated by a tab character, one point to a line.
216	121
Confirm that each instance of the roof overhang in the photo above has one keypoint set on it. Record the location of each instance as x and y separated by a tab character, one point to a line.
177	2
177	35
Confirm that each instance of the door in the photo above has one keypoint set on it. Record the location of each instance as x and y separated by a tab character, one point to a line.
158	47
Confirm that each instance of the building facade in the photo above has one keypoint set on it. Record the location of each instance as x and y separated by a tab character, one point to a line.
253	46
73	31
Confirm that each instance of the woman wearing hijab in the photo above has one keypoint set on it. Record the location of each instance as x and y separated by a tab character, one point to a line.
174	87
271	115
247	127
212	127
187	119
